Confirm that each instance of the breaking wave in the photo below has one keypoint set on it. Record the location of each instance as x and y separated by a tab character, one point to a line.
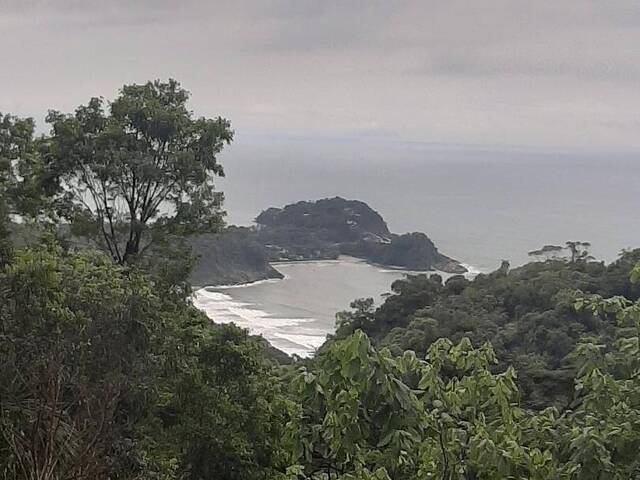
222	308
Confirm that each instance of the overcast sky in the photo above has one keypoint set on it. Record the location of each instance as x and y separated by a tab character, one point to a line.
533	74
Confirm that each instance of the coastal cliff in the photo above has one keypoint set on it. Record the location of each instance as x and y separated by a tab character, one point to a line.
229	258
320	230
330	227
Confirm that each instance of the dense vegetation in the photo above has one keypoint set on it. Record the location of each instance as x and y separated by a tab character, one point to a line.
318	230
330	227
107	375
109	372
527	314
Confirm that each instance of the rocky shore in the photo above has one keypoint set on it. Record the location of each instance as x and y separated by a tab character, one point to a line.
320	230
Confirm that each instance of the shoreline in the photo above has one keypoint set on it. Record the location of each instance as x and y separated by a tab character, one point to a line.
471	271
288	323
240	285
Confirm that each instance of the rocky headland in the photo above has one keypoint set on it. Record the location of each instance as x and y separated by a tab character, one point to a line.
311	230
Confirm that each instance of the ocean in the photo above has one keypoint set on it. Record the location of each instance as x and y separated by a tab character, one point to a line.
296	313
478	205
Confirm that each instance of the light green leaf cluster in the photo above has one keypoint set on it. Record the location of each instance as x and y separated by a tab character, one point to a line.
447	416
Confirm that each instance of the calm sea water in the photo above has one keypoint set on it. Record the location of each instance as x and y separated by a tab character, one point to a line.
479	206
296	313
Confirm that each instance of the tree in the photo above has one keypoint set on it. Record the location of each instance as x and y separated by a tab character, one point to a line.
74	333
548	251
606	420
505	265
577	251
16	144
136	170
5	243
363	413
359	317
219	412
355	411
107	375
523	313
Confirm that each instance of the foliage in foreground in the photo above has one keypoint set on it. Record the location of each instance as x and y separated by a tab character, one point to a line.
526	314
104	375
109	375
108	372
367	414
125	174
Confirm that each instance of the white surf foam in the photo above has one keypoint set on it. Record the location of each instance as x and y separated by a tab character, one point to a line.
405	271
296	334
291	335
471	270
315	263
249	284
308	341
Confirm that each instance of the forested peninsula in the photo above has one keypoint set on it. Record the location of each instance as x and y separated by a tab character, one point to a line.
307	230
109	372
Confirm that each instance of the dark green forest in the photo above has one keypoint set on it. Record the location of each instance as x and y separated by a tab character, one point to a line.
109	371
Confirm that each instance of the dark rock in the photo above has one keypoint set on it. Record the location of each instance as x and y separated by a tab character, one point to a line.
330	227
229	258
330	220
449	265
318	230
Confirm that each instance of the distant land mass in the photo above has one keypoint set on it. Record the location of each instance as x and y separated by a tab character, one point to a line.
311	230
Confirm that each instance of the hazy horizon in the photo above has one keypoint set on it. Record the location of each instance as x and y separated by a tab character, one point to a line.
545	75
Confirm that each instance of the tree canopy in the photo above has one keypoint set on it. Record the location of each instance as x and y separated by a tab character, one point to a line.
524	312
134	170
110	373
16	143
107	375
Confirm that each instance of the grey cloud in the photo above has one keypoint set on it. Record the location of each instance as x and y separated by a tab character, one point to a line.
462	71
551	67
307	26
87	13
